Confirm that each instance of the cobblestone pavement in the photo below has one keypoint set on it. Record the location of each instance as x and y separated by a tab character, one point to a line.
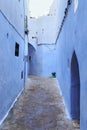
40	107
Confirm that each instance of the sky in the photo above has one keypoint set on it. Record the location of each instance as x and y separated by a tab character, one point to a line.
39	7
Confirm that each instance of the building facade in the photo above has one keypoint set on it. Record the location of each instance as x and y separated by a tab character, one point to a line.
12	52
42	48
71	57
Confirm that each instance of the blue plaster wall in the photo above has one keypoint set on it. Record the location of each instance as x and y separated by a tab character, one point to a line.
35	64
73	37
14	11
49	60
43	60
11	66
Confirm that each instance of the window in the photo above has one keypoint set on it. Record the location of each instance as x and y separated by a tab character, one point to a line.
29	57
17	49
22	75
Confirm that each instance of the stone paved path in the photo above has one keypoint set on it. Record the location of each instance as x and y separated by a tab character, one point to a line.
40	107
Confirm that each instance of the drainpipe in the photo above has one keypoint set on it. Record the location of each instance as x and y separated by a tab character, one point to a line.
26	31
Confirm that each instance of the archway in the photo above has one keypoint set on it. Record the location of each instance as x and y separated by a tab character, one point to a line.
31	55
75	88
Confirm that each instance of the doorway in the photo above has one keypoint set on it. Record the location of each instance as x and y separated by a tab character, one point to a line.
31	59
75	88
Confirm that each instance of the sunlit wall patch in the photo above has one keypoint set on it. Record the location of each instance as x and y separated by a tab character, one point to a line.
76	2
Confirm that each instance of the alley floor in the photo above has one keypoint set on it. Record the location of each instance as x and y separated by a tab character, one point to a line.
40	107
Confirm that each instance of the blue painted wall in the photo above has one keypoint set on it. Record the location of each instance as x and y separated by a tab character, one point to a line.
11	66
49	60
14	11
73	37
43	60
35	63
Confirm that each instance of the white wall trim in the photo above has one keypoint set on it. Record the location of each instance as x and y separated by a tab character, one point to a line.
66	110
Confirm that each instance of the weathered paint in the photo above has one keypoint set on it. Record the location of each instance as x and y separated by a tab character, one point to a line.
10	65
14	11
12	14
73	38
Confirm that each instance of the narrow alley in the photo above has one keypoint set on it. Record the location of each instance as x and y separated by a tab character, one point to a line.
40	107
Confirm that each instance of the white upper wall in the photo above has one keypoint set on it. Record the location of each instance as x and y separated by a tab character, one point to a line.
43	29
33	31
54	8
47	27
61	9
58	9
14	11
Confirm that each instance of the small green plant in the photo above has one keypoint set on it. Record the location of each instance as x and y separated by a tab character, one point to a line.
54	74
